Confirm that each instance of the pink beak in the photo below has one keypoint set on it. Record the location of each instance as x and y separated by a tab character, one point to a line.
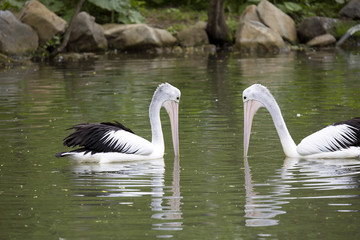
250	108
172	109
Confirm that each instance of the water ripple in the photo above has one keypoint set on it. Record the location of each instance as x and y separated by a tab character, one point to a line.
312	179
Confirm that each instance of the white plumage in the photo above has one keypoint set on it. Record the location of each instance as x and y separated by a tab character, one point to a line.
339	140
132	142
328	139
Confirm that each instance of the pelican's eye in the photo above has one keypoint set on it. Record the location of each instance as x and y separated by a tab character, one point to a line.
244	97
178	98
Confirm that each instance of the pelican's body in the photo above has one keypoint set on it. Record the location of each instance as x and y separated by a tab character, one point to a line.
339	140
113	142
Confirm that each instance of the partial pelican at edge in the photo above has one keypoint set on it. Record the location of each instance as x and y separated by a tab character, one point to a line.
339	140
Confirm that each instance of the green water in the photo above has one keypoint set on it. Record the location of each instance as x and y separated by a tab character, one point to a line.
210	193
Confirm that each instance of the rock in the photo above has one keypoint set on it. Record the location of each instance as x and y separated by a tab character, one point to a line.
315	26
42	20
201	25
108	26
250	14
15	36
351	10
86	35
322	41
193	36
138	37
255	37
277	20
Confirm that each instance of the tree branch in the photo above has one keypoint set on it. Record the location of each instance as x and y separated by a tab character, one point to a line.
68	30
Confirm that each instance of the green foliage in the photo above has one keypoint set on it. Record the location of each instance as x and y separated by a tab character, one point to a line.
292	7
173	19
341	27
63	8
53	5
233	24
127	11
130	11
11	4
44	50
298	10
198	5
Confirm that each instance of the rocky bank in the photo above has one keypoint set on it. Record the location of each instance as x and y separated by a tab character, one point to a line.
262	29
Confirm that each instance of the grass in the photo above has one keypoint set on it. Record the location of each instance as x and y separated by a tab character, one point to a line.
176	19
173	19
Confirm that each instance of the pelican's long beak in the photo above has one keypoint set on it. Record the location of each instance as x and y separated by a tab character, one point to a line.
250	108
172	109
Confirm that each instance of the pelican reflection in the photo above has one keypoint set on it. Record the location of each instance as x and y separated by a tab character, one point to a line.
123	182
169	208
262	209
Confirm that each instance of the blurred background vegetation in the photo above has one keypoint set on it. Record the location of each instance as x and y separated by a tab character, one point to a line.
174	15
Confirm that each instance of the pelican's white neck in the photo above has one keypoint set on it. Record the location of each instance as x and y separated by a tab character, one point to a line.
287	142
155	122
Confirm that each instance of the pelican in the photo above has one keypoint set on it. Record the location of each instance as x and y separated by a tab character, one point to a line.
339	140
113	142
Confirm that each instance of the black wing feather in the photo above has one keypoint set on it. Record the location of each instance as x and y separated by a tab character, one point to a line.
90	137
355	126
117	125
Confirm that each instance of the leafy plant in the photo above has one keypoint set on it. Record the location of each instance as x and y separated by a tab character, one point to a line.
124	11
127	11
54	5
292	7
11	4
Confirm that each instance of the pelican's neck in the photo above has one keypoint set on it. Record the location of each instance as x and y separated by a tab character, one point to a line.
287	142
155	122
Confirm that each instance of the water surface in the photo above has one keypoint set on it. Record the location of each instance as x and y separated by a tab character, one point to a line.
210	192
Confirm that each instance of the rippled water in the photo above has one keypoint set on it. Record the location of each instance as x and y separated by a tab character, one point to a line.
210	192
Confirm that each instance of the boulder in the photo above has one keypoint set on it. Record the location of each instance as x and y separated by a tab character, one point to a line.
86	35
322	41
351	10
15	36
138	37
255	37
250	14
315	26
277	20
42	20
193	36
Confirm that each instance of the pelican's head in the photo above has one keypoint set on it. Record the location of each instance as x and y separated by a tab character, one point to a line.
254	97
169	96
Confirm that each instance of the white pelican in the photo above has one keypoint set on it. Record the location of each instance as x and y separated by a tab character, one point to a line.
339	140
113	142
